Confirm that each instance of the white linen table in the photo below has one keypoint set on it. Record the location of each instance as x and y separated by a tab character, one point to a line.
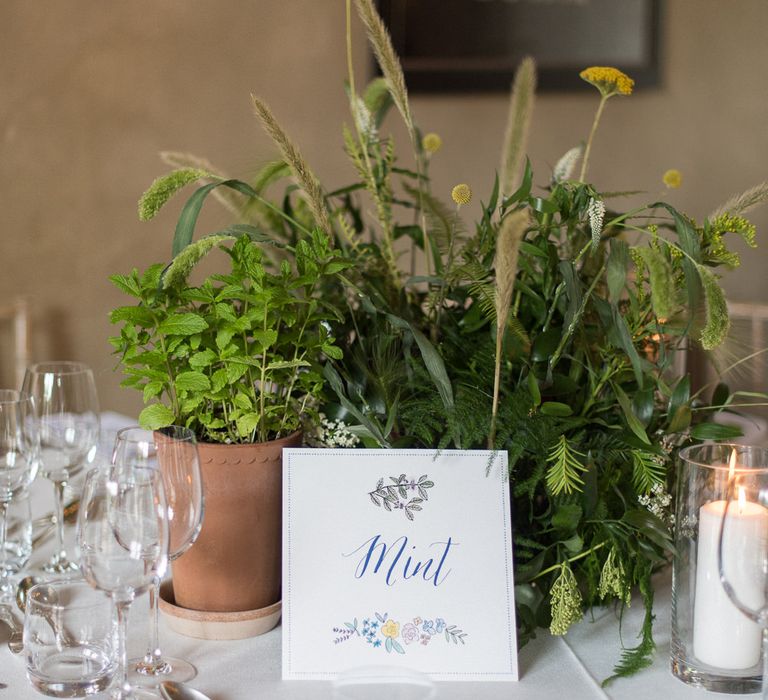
571	668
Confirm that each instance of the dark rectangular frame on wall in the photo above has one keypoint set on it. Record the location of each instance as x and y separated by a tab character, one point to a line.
454	46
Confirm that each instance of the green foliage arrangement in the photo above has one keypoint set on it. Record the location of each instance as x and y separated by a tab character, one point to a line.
237	357
549	329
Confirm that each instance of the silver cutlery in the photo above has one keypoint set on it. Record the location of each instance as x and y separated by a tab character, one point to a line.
178	691
16	642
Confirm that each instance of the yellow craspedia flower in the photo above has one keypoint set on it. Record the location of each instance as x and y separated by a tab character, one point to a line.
461	194
672	178
610	81
431	142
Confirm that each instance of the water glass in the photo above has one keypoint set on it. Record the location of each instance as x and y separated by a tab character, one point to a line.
69	639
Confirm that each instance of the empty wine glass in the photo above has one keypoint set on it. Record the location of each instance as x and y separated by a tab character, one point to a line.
741	620
122	533
172	450
67	411
19	444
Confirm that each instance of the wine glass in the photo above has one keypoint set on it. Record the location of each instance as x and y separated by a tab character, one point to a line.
67	412
122	533
742	560
19	446
172	450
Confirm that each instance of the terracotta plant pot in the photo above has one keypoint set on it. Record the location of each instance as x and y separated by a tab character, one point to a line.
235	564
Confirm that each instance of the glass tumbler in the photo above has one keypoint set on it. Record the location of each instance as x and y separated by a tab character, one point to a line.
713	645
69	639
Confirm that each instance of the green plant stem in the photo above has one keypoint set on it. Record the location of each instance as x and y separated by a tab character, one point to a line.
608	372
570	560
595	122
576	318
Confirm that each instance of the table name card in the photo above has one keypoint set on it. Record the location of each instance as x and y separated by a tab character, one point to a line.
398	558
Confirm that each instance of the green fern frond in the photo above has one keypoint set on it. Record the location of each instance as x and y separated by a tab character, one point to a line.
564	468
637	658
183	264
163	188
647	470
484	295
717	320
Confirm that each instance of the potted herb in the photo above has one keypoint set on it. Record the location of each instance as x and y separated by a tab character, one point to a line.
237	358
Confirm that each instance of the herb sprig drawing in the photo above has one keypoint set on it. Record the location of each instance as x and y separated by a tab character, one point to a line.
381	631
401	494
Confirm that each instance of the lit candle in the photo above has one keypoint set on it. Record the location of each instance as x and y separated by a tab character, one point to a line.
722	635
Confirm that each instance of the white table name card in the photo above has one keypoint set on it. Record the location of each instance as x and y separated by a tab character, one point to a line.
398	558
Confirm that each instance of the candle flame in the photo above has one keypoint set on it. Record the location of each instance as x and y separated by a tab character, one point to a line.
742	499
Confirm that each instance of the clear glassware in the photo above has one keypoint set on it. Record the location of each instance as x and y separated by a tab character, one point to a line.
67	411
713	645
122	534
742	559
19	451
18	533
69	639
383	683
172	450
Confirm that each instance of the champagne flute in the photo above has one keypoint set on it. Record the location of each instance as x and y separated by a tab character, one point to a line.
67	412
742	560
122	533
172	450
19	444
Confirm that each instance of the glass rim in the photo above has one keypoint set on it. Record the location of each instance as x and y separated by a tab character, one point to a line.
59	367
81	584
175	432
689	454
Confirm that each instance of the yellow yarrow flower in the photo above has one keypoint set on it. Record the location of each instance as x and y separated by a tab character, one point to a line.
431	142
610	81
461	194
672	178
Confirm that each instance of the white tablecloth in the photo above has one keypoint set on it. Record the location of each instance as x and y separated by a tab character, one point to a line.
571	668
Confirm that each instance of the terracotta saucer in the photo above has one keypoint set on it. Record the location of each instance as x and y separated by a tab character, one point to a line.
217	625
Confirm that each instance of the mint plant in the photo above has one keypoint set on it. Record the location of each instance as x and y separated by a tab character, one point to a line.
238	357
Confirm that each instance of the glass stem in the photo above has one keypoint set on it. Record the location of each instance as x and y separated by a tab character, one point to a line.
59	487
124	687
3	534
153	651
765	658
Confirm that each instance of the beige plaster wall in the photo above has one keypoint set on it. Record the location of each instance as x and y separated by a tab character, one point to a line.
91	91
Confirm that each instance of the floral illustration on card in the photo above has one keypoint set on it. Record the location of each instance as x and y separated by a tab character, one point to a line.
404	493
383	632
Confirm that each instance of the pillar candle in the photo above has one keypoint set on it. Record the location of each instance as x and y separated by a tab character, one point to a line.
722	635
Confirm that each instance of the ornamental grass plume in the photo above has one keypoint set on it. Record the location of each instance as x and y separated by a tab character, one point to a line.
609	81
301	171
518	123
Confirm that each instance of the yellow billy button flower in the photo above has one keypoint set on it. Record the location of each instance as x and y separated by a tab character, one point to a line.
672	178
610	81
461	194
390	628
431	142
